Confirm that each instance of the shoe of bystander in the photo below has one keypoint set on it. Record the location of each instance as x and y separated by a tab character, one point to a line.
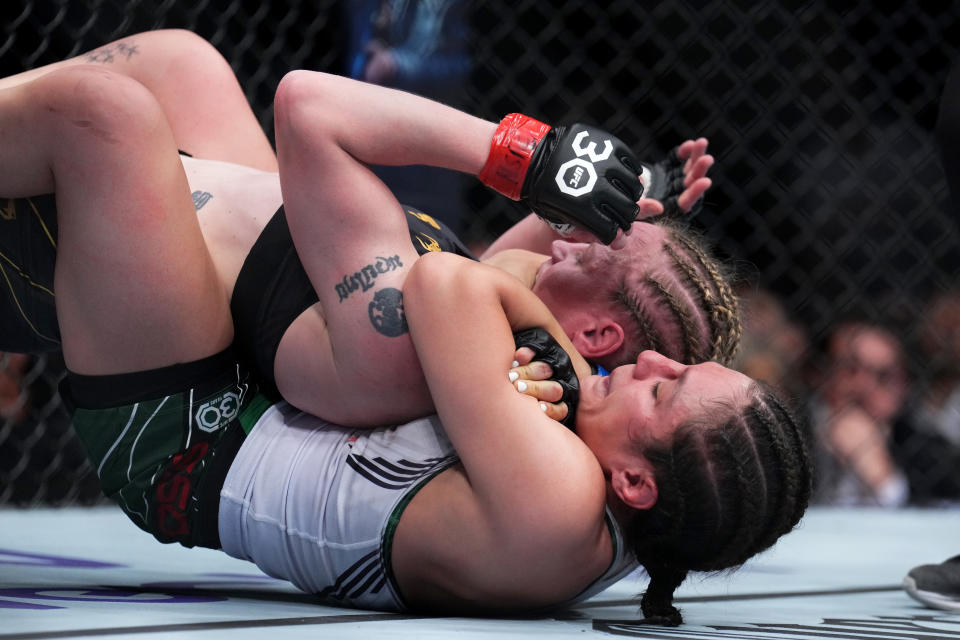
936	585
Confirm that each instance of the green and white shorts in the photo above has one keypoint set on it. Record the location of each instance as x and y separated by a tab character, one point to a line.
163	440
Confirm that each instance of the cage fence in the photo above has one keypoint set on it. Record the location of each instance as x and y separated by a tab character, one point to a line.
829	198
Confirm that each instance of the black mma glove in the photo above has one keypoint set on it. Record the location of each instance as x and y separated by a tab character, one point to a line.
546	349
569	175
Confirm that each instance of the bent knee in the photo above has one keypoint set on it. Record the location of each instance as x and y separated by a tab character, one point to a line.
191	59
179	40
88	100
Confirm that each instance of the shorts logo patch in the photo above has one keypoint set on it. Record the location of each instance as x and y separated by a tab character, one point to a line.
424	217
173	492
428	243
216	413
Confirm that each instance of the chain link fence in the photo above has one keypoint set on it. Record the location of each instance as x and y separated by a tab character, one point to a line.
829	197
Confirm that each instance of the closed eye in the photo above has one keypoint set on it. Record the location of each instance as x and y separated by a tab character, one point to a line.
656	391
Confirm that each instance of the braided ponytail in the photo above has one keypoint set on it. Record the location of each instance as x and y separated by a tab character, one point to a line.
657	601
727	490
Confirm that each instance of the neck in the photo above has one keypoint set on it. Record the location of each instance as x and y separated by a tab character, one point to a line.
621	512
519	263
581	366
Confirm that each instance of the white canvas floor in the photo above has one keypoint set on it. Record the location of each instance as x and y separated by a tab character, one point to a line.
89	573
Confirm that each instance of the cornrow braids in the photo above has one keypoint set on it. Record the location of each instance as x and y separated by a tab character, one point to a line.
688	328
629	300
718	303
726	491
704	314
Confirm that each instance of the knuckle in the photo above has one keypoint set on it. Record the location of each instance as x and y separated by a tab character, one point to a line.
543	370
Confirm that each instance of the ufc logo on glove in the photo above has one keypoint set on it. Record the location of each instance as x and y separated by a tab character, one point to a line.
580	167
562	176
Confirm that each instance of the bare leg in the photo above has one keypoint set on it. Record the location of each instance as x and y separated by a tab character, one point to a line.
194	85
135	285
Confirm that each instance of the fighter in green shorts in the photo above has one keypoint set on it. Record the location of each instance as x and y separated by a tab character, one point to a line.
163	440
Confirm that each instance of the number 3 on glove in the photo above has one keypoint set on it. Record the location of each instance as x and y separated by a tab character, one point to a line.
569	175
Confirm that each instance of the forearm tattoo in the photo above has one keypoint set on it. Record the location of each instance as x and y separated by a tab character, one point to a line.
201	198
363	280
113	52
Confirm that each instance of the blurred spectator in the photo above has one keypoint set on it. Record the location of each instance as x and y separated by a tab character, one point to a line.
13	398
860	391
421	46
928	437
772	346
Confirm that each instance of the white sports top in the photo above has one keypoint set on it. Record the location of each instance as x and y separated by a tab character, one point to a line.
317	504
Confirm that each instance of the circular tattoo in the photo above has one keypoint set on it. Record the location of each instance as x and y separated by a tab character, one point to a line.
386	313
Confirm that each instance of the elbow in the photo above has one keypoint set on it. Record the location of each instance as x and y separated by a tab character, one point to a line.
430	272
304	105
299	86
437	279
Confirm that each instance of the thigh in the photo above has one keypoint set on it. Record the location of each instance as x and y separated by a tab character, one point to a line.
136	288
194	85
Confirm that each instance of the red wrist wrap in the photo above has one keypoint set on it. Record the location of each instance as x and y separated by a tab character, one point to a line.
510	153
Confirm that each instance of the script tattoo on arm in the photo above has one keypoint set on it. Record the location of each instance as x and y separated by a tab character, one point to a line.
386	308
112	52
363	280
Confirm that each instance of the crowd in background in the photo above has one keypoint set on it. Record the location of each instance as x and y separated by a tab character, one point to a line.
883	402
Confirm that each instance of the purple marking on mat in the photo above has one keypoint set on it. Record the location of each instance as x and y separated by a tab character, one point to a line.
82	594
10	604
11	557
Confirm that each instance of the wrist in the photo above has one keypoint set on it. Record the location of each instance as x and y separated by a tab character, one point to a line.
511	152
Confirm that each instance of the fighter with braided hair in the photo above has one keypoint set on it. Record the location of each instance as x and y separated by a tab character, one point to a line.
277	313
420	515
721	519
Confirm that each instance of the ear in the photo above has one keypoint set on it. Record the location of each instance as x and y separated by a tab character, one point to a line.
597	336
636	488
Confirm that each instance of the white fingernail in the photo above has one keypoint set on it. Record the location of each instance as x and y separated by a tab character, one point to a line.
515	364
513	375
543	407
521	386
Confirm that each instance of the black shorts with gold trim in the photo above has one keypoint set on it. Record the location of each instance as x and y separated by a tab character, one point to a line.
28	254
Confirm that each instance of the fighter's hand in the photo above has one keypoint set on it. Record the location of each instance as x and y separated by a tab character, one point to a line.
532	377
675	185
571	176
547	350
